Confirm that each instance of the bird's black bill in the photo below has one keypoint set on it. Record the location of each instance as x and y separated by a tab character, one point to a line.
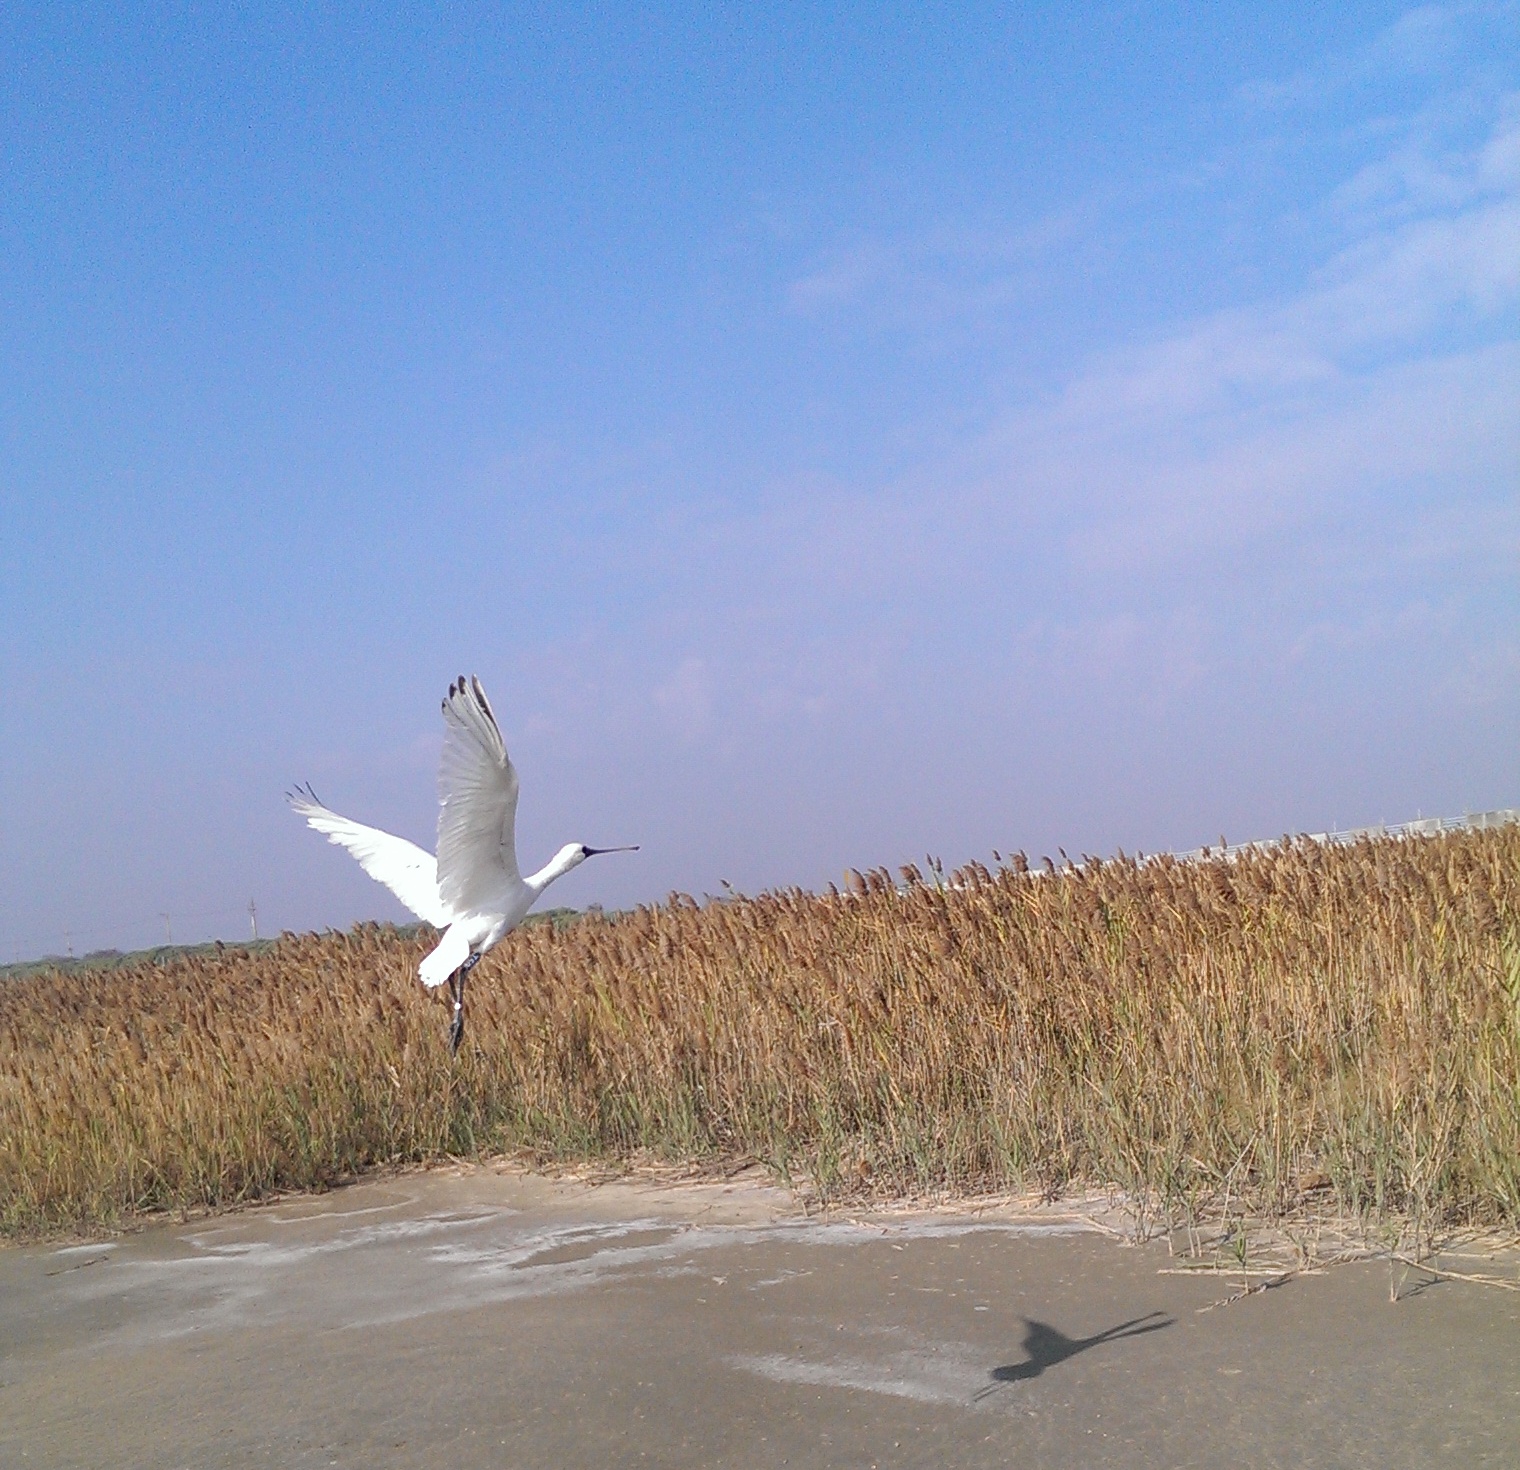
597	851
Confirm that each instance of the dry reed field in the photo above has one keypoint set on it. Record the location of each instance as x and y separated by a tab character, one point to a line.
1338	1025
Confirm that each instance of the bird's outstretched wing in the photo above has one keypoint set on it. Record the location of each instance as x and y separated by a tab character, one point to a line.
477	811
404	868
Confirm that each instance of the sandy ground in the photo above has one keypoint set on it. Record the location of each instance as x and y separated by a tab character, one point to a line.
493	1319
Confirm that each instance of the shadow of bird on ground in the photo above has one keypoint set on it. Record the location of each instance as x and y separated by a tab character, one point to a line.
1045	1346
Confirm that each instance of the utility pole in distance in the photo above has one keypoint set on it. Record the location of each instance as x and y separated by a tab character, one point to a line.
168	932
253	919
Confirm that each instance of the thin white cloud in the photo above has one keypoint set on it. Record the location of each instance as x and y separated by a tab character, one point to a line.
1419	42
1310	480
927	278
1386	291
1396	365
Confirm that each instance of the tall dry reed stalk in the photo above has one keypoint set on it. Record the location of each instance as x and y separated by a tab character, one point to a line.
1339	1020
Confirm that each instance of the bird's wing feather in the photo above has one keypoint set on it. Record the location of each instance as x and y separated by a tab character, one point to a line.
477	805
409	872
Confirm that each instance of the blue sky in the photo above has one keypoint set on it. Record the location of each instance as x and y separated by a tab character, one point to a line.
832	439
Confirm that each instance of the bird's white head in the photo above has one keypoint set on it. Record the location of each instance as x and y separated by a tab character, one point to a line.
571	855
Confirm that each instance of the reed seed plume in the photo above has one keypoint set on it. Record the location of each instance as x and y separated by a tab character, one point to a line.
1340	1023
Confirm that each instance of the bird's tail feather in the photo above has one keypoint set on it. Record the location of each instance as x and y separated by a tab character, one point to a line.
452	951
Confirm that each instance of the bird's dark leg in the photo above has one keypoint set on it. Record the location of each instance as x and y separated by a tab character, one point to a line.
456	988
456	1029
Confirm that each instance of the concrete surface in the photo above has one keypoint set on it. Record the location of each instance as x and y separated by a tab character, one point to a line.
498	1320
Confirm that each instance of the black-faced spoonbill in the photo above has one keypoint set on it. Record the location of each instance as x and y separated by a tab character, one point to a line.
472	890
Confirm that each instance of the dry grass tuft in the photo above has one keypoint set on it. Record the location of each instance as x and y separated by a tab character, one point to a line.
1332	1024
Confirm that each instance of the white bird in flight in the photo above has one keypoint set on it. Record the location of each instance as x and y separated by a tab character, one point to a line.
472	890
